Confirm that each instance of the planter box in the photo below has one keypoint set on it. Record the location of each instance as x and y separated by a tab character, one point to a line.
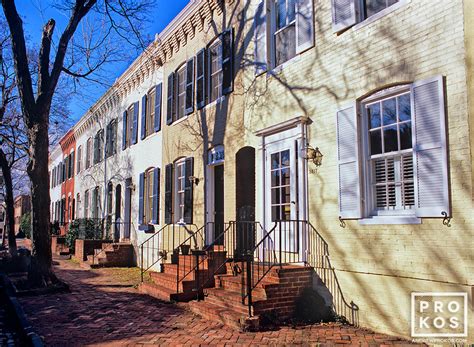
83	248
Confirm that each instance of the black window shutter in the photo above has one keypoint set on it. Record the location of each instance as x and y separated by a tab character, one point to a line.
141	189
227	61
96	149
156	196
124	130
188	190
71	164
143	120
201	79
189	104
158	97
135	123
168	193
170	101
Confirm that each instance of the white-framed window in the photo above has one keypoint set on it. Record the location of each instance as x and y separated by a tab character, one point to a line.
86	204
388	127
280	185
392	155
346	13
148	196
150	112
79	159
180	169
215	70
371	7
181	92
89	152
285	31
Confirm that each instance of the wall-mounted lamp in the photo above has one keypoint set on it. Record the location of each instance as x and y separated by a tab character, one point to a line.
312	154
194	179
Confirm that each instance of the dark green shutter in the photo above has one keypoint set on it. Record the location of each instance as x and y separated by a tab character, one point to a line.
156	196
188	191
170	100
141	189
189	103
135	123
227	61
201	79
124	130
143	127
169	194
158	97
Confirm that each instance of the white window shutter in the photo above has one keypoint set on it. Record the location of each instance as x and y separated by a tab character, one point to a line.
304	25
348	163
429	148
344	14
260	49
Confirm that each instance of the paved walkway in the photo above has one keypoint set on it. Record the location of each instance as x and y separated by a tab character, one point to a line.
104	309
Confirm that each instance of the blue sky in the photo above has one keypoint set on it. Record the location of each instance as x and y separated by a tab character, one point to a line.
37	12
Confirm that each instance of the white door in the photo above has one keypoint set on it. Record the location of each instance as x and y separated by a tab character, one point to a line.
281	196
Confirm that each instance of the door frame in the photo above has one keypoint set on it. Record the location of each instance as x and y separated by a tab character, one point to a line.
213	161
294	131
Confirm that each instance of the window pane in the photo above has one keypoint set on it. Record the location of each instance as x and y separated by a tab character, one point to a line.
275	160
405	136
373	112
285	195
285	158
285	177
291	11
374	6
286	212
404	108
389	111
275	196
281	14
275	213
285	42
375	142
275	178
390	139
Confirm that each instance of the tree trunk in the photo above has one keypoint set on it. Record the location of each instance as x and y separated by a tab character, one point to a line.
10	208
41	272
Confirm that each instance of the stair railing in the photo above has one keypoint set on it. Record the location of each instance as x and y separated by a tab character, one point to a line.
165	241
235	240
318	258
186	249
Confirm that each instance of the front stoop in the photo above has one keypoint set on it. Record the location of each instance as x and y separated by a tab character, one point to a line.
163	285
274	297
112	255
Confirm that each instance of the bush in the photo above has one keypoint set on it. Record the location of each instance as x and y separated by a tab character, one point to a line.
25	225
84	229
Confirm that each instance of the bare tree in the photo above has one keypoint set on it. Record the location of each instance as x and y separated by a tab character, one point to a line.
117	19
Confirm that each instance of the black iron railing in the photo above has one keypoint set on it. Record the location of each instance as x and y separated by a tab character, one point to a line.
161	244
295	242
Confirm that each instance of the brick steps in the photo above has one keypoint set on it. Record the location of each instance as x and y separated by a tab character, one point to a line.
230	318
163	293
112	255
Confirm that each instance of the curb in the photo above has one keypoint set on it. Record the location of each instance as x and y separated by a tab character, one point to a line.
26	329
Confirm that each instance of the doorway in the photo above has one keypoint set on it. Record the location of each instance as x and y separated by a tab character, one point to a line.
219	204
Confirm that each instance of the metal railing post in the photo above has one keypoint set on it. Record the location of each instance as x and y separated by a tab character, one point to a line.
249	283
141	262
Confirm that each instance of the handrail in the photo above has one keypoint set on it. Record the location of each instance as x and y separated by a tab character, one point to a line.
143	270
185	243
334	286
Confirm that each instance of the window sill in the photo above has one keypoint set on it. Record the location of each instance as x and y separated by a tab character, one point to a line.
182	119
215	102
277	69
380	14
378	220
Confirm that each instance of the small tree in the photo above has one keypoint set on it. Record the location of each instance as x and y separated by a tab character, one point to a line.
25	224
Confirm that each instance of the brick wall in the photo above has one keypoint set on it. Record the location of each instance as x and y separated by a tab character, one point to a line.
83	248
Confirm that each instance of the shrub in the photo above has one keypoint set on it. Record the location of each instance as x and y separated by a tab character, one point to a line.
84	229
25	224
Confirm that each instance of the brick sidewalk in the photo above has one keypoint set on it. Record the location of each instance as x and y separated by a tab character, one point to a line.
104	309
